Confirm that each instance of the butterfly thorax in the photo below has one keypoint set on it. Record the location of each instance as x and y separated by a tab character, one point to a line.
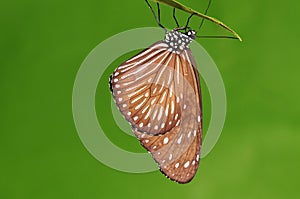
178	41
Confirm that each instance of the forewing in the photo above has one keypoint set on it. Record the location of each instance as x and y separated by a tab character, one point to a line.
143	89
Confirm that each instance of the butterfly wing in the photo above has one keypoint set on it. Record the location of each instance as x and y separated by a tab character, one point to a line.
143	90
158	92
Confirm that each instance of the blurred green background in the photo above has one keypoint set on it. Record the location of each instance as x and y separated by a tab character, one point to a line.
43	43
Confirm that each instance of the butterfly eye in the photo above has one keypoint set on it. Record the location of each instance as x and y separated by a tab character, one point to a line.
191	34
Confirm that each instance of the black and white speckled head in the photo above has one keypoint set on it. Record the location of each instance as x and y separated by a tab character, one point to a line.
178	41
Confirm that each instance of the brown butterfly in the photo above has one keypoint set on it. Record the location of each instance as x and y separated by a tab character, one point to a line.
158	92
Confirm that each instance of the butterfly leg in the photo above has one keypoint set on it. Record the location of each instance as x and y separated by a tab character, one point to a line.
157	18
188	21
183	27
174	16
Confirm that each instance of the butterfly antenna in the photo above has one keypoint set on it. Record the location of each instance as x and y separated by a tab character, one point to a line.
174	16
202	22
217	37
157	18
212	36
188	21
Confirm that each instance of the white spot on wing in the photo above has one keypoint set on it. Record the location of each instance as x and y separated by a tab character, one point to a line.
154	91
144	110
172	107
160	113
176	116
136	99
141	104
148	113
171	91
187	164
167	110
152	102
116	73
138	91
166	140
163	97
179	139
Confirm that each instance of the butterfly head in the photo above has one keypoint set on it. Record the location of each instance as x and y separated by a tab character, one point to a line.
191	34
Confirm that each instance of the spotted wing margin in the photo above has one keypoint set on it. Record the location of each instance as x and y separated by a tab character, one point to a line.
143	89
177	152
178	163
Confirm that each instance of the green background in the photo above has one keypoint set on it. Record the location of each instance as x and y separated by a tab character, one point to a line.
43	43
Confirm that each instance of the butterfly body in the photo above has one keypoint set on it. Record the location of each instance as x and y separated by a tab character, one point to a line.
178	41
158	93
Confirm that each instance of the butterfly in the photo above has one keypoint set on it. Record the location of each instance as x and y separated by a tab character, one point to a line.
158	93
